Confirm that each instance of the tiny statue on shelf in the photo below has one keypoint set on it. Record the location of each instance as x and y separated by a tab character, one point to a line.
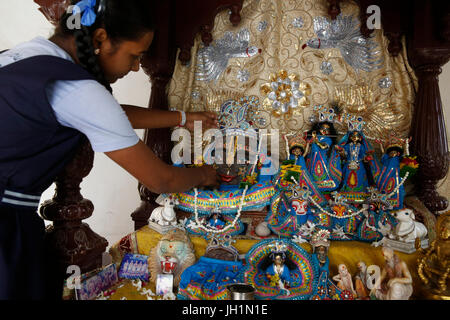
278	269
344	279
171	256
389	180
361	278
358	161
164	217
395	281
209	277
326	289
215	219
323	162
405	233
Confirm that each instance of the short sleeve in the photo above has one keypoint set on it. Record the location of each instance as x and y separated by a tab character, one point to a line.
91	109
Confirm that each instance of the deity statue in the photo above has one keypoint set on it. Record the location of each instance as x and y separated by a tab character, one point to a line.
278	268
326	289
395	281
215	219
358	162
388	180
323	162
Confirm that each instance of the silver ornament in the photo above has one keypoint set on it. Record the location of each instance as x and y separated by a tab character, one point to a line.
213	59
326	67
344	34
195	95
385	83
262	25
298	22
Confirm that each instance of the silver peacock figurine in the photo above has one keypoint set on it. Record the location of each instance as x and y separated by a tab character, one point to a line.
344	33
213	59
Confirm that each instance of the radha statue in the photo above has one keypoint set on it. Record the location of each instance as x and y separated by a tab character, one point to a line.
359	165
325	170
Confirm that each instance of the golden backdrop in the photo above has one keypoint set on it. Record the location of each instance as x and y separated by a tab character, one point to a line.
275	37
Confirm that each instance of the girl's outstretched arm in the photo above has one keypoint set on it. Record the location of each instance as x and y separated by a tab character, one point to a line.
158	176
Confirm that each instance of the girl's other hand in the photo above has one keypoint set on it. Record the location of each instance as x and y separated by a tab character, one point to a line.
208	119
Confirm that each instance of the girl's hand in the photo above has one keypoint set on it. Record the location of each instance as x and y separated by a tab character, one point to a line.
208	119
210	176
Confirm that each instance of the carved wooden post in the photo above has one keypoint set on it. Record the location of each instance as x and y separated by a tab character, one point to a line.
69	241
427	53
158	65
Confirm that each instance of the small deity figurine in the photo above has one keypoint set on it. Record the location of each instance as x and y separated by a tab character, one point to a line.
344	279
298	149
389	177
395	281
323	162
358	162
326	289
215	220
278	267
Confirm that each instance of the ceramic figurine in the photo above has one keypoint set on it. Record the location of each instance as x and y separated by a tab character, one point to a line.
174	247
389	177
164	215
323	162
361	281
344	279
407	229
395	281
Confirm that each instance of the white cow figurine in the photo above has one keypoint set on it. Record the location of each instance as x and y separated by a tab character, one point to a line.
165	215
407	229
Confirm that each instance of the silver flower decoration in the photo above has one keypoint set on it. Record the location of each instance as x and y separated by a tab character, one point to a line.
385	83
262	25
326	67
243	75
298	22
285	92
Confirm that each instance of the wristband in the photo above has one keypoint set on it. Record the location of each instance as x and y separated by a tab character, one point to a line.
183	118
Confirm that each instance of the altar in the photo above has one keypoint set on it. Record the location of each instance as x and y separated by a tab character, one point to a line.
349	118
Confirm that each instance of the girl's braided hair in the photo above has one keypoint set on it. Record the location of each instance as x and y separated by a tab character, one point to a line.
122	20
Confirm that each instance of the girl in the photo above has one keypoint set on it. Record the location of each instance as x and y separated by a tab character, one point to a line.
52	92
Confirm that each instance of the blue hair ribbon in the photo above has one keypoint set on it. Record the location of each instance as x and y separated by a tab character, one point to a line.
87	8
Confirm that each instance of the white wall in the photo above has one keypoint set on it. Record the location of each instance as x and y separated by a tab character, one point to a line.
112	190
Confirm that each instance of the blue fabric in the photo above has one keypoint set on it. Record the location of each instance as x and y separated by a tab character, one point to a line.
285	275
319	167
389	179
87	8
